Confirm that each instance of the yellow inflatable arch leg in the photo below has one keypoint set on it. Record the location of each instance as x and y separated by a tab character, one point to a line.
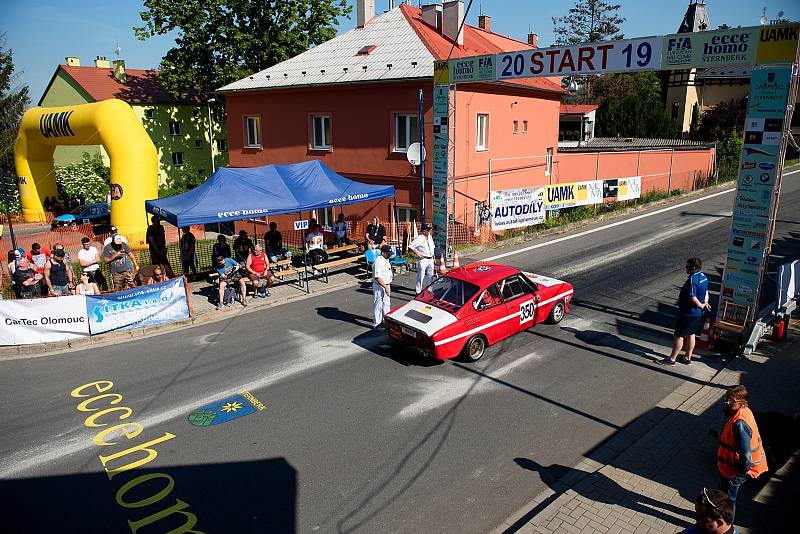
111	123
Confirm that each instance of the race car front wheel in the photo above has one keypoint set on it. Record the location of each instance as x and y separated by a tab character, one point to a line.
475	348
557	313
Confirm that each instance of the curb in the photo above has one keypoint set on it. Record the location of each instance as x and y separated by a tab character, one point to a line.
38	350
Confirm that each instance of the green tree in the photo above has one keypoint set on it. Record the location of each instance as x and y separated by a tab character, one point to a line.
220	41
186	179
631	106
717	122
588	21
13	101
88	179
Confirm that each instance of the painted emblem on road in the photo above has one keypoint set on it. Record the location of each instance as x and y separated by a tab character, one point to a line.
226	410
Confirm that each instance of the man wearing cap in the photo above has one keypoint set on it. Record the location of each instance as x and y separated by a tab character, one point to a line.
122	263
58	274
381	287
113	233
423	247
89	259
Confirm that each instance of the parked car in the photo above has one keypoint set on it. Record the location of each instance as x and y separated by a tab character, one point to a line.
470	308
97	213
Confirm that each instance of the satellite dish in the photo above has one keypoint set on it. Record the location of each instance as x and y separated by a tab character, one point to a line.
415	154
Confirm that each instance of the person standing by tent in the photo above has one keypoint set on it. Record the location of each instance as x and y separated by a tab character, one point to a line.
188	252
242	247
157	244
381	287
423	247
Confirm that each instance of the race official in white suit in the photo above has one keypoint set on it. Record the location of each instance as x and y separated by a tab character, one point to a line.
423	247
381	290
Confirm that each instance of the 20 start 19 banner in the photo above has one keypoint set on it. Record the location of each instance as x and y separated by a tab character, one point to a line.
142	306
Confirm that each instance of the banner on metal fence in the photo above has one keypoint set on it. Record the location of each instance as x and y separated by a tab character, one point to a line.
142	306
516	208
629	188
574	194
43	320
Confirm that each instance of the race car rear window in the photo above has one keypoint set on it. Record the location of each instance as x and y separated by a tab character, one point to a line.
449	293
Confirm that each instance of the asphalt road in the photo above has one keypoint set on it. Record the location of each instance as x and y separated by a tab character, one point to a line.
356	437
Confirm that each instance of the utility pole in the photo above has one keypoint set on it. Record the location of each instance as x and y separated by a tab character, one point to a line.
7	208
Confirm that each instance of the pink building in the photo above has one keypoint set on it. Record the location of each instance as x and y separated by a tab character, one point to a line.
352	102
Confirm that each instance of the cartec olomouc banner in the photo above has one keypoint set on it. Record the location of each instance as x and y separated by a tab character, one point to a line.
143	306
516	208
42	320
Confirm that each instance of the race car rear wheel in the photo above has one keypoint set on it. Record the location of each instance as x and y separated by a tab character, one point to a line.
556	313
475	348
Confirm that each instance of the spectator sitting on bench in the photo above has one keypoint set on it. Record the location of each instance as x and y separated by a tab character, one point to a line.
230	272
340	232
274	243
259	272
221	247
315	247
242	247
376	235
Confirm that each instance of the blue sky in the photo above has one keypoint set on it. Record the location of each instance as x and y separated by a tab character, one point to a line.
44	32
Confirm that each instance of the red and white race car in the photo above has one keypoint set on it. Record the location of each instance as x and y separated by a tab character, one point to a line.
475	306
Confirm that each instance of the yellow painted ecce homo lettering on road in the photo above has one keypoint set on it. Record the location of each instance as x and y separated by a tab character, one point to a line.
103	409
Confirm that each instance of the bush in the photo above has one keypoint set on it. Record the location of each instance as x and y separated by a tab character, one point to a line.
87	179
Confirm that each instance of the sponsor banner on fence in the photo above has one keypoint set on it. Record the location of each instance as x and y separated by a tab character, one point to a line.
142	306
516	208
559	196
629	188
42	320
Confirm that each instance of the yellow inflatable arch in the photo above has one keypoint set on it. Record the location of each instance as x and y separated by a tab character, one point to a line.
111	123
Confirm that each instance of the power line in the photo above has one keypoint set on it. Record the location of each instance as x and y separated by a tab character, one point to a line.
460	29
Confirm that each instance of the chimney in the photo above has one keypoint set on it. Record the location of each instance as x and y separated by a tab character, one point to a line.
365	12
432	16
72	61
101	62
452	17
533	40
119	70
485	23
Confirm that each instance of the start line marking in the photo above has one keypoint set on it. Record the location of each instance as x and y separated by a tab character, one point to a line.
612	225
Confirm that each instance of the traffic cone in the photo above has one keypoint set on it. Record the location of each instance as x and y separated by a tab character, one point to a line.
442	266
456	264
704	342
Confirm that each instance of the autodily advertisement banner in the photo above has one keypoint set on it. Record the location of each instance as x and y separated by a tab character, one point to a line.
755	192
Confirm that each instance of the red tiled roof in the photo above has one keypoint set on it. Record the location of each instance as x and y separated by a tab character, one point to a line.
140	87
476	42
577	109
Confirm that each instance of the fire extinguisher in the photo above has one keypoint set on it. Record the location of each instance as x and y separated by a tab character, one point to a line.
779	328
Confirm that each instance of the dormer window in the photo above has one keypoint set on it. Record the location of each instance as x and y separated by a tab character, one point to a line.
366	50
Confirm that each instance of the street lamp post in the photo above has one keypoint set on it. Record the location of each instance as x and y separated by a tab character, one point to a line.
211	133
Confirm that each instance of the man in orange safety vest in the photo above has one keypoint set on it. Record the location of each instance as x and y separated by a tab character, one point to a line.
740	454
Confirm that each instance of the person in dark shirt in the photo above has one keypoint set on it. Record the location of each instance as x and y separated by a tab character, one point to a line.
27	279
274	243
692	302
188	252
376	235
242	247
221	247
157	244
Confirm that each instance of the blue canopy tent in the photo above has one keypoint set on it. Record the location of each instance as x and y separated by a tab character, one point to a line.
233	194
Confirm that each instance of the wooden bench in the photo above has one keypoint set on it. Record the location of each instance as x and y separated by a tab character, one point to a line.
281	269
330	264
343	248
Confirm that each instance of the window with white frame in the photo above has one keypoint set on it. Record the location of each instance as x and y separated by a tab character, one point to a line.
252	128
407	214
405	132
326	217
548	162
524	127
177	159
222	145
482	132
321	132
174	128
515	127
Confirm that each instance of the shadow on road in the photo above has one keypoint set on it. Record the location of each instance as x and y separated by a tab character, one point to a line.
598	338
257	496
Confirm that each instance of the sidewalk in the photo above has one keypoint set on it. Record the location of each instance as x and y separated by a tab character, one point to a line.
202	299
646	482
